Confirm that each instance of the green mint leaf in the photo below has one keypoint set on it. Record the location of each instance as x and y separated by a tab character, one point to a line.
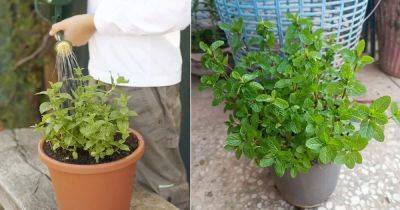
358	143
235	75
266	161
395	113
279	168
314	144
255	107
352	158
394	108
378	132
366	59
326	155
366	130
256	85
122	80
360	47
234	140
306	37
264	98
249	77
225	26
340	158
346	71
248	150
215	45
229	148
203	46
293	172
356	88
283	83
44	107
381	104
74	155
310	129
124	147
281	103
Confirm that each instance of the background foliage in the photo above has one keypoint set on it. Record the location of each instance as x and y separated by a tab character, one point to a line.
21	32
205	24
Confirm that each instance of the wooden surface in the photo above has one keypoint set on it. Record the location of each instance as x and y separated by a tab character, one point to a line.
25	183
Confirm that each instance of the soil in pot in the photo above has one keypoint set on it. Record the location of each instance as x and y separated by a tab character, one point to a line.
84	158
310	189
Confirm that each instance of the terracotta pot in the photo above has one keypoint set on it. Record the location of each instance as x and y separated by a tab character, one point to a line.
310	189
94	187
388	24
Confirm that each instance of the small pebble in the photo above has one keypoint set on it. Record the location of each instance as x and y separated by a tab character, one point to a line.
340	208
209	194
329	205
364	189
396	197
355	200
272	195
380	184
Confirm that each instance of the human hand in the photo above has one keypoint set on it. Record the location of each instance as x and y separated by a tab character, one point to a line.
77	29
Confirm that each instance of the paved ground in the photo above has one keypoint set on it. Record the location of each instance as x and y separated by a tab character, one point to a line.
219	181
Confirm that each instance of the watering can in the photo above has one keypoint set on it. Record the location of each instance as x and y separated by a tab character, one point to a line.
52	10
57	10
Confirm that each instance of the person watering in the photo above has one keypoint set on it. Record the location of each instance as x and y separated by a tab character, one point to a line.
139	40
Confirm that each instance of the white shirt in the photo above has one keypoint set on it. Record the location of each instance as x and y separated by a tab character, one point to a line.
138	39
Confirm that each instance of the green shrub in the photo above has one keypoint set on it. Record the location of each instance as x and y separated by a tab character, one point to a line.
291	108
85	119
21	32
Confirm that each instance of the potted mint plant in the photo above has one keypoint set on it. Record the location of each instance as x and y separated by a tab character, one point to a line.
88	147
293	109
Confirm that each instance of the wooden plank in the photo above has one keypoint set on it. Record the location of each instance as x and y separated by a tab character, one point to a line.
25	183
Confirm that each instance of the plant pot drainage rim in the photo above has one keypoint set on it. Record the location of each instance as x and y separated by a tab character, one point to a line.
299	205
94	168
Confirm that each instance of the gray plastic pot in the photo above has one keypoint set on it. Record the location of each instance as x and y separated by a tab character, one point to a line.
310	189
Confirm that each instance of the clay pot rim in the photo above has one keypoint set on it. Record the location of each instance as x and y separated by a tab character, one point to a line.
94	168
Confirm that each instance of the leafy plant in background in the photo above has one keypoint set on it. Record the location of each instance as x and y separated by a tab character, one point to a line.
201	31
292	108
89	122
21	33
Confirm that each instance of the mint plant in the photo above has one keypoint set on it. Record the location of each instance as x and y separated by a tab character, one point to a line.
89	122
293	107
